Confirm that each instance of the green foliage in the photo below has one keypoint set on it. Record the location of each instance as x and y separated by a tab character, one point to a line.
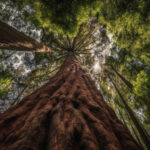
142	85
5	82
2	54
40	56
137	73
127	20
60	16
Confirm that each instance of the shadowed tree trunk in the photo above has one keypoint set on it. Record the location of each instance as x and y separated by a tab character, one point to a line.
133	130
141	131
129	85
122	117
12	39
67	113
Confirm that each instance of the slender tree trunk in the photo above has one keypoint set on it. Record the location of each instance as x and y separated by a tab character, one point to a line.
133	130
136	135
122	118
129	85
67	113
12	39
132	115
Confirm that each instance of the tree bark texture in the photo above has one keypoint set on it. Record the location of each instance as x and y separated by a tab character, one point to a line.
13	39
67	113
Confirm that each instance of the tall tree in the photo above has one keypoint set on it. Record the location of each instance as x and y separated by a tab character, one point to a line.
136	87
129	85
66	113
127	125
12	39
141	131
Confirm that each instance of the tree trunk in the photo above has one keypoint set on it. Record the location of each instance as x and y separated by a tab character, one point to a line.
133	130
12	39
129	85
67	113
122	117
134	119
135	133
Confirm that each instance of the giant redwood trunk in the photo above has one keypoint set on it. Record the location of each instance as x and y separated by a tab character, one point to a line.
12	39
67	113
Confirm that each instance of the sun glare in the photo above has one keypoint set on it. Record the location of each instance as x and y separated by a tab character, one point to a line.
96	67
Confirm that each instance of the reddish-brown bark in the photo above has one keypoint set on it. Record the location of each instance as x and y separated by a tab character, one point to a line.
67	113
12	39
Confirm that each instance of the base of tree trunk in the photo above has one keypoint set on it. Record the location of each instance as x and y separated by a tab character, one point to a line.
67	113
